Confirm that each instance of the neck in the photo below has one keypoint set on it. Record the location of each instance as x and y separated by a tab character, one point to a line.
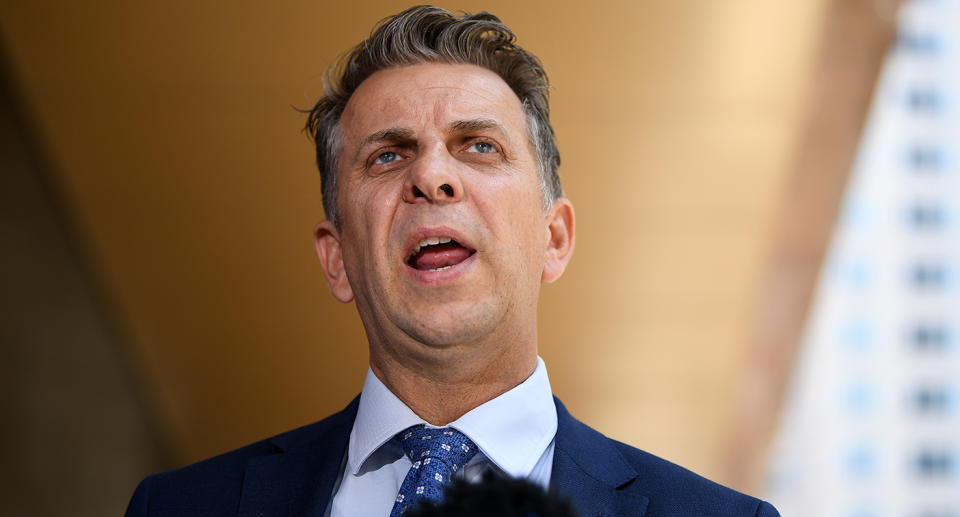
451	382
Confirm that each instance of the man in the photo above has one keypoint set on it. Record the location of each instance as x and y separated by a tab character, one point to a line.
439	174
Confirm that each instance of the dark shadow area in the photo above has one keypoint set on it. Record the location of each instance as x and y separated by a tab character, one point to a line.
76	433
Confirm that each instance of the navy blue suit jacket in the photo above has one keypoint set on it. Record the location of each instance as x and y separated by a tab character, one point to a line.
293	474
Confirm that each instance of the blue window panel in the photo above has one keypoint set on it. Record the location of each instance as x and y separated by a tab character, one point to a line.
930	337
925	100
854	274
926	158
930	276
858	335
859	398
861	462
935	464
933	400
926	216
918	42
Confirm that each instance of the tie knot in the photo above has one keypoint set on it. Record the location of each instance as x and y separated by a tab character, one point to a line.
424	445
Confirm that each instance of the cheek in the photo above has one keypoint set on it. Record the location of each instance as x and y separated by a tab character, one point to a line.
368	227
364	194
513	191
368	207
519	221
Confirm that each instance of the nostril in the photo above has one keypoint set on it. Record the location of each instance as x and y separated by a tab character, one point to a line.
447	189
417	192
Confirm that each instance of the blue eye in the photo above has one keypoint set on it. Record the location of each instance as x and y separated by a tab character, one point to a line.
482	147
386	157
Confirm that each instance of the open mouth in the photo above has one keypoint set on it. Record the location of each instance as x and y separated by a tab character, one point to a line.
437	254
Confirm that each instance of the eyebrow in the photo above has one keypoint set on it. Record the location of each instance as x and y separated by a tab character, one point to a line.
477	124
393	134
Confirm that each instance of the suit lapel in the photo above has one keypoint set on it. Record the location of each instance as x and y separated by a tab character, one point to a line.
298	479
589	471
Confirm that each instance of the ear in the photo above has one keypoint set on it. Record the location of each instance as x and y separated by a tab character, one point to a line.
327	241
560	227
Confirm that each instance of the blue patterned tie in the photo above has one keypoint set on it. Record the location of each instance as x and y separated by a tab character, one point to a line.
436	453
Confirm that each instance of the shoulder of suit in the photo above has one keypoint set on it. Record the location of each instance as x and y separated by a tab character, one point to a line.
671	482
231	465
669	488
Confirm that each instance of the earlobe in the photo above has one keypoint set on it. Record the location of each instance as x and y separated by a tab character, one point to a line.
327	242
560	227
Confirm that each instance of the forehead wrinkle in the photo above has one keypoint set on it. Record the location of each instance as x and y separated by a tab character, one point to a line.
474	99
479	89
478	98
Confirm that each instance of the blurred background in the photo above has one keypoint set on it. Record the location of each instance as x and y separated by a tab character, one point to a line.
746	298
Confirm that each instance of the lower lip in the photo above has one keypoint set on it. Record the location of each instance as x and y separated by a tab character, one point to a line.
442	276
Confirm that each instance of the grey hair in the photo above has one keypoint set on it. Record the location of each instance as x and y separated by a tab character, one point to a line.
426	34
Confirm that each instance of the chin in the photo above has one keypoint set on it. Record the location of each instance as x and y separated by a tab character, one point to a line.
443	327
435	337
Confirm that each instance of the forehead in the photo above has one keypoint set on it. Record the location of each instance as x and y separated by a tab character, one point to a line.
429	94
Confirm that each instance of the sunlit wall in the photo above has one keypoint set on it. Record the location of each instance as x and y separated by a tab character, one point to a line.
871	426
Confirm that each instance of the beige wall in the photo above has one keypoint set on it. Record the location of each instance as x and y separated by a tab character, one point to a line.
172	131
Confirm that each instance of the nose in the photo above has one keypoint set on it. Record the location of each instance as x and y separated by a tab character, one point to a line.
433	177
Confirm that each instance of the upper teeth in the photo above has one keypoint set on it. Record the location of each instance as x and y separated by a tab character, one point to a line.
430	241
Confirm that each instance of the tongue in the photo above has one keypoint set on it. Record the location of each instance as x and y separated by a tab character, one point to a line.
440	255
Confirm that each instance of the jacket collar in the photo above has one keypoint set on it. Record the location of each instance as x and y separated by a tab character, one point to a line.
299	478
512	430
589	471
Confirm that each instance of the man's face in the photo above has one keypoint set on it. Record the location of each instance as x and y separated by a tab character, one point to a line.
444	235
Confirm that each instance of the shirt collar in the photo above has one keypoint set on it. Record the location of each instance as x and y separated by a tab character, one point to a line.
512	430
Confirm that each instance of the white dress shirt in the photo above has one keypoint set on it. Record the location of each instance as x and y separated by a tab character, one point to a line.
514	432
